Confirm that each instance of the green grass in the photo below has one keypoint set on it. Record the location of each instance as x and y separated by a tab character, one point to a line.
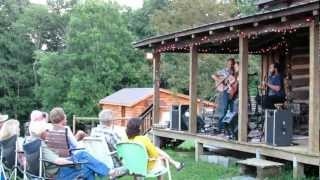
200	170
193	170
206	171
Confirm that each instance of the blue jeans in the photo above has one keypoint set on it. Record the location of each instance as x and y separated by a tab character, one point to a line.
225	103
2	175
86	171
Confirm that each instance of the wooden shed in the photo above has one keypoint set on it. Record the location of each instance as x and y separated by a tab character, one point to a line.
132	102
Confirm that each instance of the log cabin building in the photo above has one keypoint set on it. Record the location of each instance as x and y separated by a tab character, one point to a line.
132	102
283	31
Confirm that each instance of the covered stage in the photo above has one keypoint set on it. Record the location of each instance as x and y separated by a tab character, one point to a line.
285	32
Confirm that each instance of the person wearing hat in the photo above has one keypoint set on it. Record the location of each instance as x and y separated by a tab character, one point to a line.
3	119
111	133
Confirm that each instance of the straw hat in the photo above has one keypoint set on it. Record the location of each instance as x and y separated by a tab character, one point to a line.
3	117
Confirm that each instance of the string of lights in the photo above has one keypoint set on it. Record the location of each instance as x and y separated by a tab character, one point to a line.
220	39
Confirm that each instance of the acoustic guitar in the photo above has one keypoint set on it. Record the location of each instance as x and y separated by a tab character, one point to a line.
220	84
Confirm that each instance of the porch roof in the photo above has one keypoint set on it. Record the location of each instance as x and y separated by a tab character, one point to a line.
296	11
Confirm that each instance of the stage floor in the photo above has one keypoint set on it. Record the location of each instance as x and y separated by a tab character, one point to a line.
298	152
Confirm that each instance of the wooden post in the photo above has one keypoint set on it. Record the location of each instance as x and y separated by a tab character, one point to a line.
298	170
243	89
314	100
156	87
193	89
123	115
156	140
198	150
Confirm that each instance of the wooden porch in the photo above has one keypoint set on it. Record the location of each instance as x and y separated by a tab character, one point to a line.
298	153
289	32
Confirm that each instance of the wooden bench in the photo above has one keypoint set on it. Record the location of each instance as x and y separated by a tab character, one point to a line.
260	168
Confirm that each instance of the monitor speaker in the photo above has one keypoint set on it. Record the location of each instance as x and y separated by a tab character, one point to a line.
184	114
175	118
278	127
180	118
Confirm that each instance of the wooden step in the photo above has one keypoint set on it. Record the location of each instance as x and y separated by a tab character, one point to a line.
260	168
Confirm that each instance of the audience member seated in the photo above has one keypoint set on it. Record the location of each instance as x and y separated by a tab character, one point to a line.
3	119
58	119
112	134
156	155
37	116
9	129
86	171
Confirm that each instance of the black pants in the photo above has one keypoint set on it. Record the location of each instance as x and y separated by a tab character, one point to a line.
268	102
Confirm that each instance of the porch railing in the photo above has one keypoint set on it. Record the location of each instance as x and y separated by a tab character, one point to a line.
146	119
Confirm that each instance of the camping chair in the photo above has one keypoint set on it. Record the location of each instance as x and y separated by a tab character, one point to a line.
36	164
33	168
9	158
99	149
57	140
135	158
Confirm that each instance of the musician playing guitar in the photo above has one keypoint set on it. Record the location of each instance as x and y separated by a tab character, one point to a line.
274	88
221	78
233	83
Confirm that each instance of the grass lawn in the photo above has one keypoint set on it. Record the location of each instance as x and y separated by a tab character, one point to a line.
193	170
204	170
196	171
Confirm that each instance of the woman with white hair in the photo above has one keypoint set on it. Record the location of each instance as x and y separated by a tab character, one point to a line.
3	119
36	117
9	129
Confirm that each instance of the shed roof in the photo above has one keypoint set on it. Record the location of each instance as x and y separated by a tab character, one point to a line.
127	96
131	96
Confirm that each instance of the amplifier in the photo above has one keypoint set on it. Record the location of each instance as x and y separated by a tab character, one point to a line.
278	127
175	118
179	121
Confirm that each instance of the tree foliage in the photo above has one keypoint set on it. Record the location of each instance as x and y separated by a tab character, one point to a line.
139	20
185	14
98	60
72	53
16	84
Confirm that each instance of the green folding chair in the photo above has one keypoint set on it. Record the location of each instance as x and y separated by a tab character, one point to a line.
135	158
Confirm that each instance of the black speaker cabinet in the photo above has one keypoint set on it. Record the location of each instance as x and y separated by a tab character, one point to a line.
184	111
278	127
179	120
175	118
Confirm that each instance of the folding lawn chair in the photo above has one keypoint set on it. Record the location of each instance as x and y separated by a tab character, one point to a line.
135	158
57	140
36	164
33	168
99	149
9	158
